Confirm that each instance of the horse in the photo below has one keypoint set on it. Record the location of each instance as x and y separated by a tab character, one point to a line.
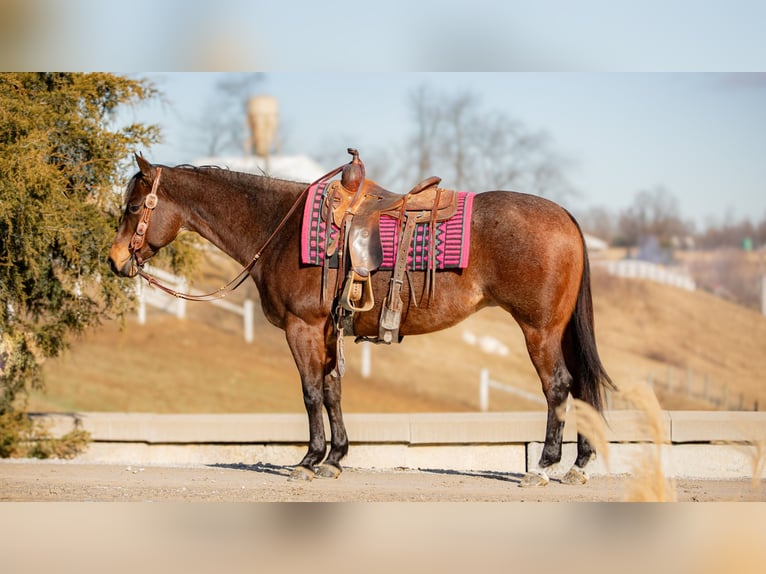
527	256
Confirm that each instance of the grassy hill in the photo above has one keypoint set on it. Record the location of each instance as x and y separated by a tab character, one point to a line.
202	364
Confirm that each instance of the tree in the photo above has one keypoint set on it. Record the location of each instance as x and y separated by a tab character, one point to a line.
61	159
598	221
472	148
653	213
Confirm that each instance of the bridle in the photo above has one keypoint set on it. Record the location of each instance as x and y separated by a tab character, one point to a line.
139	238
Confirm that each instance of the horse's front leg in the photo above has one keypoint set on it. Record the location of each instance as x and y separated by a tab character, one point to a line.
331	467
307	345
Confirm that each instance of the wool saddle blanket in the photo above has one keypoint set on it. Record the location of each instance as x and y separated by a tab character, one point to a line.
452	237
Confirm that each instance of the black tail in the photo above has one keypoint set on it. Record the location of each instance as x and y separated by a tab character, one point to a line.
589	376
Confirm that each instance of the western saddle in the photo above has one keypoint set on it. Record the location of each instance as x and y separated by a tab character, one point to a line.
355	205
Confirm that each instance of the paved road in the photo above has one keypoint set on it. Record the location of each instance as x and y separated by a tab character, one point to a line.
70	481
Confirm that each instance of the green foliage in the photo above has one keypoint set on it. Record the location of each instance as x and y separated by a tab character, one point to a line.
62	158
24	437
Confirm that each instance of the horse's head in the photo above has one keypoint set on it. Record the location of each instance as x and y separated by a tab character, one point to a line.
150	221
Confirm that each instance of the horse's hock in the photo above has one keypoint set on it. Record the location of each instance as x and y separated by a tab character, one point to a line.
703	444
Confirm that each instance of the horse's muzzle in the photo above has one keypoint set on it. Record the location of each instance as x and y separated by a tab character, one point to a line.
122	262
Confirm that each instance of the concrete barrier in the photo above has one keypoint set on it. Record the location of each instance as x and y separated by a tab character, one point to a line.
700	444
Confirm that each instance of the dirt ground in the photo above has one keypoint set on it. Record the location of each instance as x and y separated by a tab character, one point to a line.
25	480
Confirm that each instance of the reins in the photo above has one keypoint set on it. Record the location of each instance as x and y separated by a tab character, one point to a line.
138	239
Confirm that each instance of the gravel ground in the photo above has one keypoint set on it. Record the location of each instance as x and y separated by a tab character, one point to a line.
24	480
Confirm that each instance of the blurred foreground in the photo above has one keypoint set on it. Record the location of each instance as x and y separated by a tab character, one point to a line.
363	537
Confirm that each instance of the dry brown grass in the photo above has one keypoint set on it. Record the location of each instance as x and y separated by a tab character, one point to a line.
648	481
202	365
591	425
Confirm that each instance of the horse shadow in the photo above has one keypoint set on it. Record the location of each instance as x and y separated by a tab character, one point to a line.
514	477
284	471
259	467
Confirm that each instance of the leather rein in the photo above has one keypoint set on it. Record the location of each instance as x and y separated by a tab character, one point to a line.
139	237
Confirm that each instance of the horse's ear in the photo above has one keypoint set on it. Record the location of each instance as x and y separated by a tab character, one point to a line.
146	168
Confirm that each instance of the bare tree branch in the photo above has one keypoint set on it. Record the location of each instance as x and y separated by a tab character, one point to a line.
471	148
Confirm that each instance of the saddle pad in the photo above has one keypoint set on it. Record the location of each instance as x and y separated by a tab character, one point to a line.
453	236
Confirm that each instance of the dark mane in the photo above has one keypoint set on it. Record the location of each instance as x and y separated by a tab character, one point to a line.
246	182
129	188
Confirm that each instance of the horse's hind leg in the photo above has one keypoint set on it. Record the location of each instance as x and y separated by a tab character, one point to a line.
544	348
585	451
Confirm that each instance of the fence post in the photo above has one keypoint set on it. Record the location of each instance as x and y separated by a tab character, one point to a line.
763	288
181	303
670	379
689	377
366	360
484	391
141	302
247	316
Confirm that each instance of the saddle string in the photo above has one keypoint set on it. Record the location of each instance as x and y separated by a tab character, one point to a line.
221	292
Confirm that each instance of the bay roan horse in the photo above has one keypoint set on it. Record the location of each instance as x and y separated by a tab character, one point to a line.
527	256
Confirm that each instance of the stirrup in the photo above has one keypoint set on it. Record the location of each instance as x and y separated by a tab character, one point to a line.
349	298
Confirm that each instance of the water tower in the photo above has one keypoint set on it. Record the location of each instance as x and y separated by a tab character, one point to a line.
263	119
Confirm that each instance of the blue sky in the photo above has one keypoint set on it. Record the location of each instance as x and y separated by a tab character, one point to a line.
701	136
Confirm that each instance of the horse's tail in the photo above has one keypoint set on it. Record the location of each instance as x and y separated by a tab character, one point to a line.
588	373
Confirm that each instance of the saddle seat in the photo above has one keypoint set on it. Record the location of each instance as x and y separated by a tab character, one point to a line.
425	197
376	199
355	205
426	202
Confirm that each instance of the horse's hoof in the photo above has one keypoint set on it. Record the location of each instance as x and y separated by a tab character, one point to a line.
301	473
575	476
328	471
534	478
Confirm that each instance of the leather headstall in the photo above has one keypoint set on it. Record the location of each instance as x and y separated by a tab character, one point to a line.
150	202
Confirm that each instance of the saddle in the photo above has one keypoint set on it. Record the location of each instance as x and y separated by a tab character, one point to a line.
355	205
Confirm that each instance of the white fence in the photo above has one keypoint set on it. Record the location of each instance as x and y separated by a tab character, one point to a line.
701	387
485	384
636	269
149	296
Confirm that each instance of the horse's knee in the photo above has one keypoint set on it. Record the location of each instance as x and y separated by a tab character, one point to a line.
313	397
331	395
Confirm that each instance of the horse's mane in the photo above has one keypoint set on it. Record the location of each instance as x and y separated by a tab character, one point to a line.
239	178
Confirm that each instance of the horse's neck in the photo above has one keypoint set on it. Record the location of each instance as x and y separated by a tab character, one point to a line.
238	213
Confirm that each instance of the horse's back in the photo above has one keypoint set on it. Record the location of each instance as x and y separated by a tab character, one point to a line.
517	224
525	249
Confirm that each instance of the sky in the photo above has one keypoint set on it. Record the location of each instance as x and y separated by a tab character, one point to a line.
701	136
630	93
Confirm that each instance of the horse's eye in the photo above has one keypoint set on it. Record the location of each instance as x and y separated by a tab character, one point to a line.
134	209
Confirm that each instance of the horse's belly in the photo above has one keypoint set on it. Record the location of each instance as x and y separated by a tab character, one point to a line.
449	306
